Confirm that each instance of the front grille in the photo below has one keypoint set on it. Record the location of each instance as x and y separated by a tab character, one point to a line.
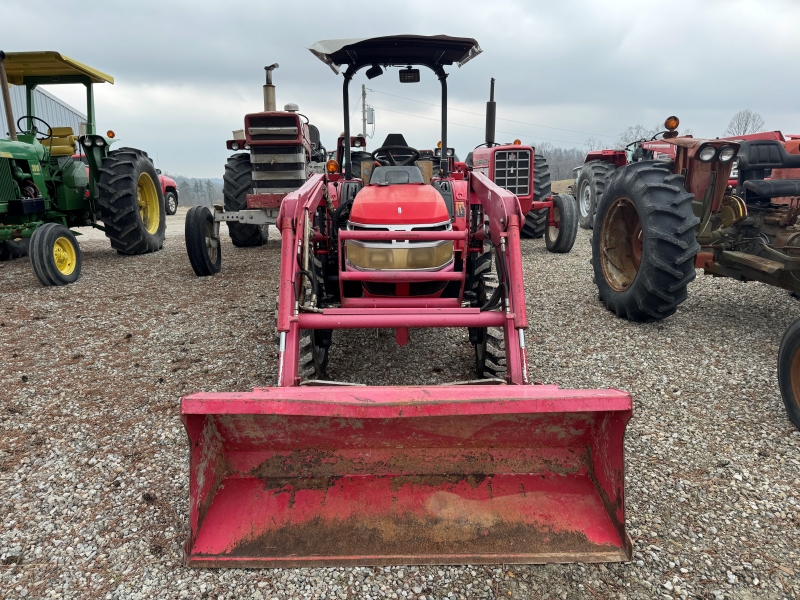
6	182
512	171
270	128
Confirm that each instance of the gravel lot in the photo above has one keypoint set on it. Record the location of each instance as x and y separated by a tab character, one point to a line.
93	458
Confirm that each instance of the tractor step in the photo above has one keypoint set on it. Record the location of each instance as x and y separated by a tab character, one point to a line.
758	263
465	474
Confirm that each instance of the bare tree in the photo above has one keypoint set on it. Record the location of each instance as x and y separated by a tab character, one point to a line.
636	133
744	122
593	143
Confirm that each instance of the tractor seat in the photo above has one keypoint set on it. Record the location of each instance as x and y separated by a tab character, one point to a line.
773	188
766	154
396	175
63	141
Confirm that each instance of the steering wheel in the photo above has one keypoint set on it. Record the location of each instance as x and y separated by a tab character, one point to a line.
34	131
390	159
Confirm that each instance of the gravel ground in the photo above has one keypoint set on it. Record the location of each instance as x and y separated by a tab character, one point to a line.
93	458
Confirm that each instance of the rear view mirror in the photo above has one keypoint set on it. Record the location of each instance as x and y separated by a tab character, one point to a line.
409	75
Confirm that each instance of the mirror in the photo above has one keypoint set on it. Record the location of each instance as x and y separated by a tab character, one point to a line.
158	171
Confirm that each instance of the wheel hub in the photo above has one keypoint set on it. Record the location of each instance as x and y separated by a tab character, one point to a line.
585	199
64	256
621	244
149	209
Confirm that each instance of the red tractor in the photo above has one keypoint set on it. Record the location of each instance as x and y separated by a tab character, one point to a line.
275	154
493	470
659	219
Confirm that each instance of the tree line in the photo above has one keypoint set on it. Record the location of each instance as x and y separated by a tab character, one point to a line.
194	191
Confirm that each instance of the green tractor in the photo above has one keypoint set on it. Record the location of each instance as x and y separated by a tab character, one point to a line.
45	191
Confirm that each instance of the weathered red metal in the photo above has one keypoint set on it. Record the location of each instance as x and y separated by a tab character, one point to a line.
406	475
264	200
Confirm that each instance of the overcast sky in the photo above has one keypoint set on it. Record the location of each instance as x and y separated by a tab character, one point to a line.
187	72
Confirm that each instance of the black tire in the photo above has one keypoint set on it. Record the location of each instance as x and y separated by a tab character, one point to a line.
238	182
561	239
13	249
170	203
591	183
490	351
127	178
536	220
205	252
789	372
55	255
313	360
643	245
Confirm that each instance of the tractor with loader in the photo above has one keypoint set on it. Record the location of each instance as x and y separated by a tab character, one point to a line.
275	154
44	192
660	219
314	472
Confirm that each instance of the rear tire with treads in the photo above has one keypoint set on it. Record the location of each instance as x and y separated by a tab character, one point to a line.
536	220
591	183
238	182
643	243
131	203
789	372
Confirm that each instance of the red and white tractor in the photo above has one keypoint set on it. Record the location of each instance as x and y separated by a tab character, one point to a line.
492	470
276	152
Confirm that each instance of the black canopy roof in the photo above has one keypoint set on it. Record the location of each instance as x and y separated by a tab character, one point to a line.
399	50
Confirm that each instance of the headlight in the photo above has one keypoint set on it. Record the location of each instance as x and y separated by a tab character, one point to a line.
726	153
87	141
707	154
247	146
99	142
425	257
235	146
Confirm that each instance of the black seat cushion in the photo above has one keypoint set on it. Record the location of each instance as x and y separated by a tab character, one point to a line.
773	188
394	175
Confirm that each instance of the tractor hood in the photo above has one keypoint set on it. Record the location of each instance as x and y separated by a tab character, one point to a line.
404	204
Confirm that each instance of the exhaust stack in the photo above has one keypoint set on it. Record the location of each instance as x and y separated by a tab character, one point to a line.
269	89
491	116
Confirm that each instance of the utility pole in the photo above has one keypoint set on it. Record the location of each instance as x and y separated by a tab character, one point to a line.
364	110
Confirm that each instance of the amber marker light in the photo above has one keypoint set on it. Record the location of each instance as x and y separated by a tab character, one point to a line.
439	145
517	142
672	123
110	134
331	166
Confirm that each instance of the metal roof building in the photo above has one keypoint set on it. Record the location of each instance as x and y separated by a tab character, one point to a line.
55	112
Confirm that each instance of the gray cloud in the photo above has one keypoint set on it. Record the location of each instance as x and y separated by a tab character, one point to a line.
187	72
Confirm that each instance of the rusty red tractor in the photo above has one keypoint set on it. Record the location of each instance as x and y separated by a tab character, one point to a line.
492	470
275	153
659	219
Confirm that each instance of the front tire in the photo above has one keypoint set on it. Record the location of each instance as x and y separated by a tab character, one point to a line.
204	250
643	244
238	182
171	203
490	350
789	372
560	238
536	220
131	203
591	184
55	255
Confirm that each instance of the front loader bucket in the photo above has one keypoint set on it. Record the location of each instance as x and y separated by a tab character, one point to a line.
346	475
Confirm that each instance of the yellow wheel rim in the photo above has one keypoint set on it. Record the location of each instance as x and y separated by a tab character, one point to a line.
64	256
149	209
